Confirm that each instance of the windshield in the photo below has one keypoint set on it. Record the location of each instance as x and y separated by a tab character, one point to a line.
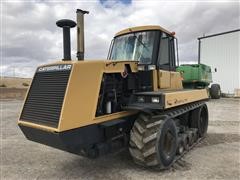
135	46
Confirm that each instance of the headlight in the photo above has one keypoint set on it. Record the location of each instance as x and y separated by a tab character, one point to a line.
151	67
141	68
140	99
155	99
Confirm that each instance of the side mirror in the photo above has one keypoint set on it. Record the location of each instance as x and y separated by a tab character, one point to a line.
215	69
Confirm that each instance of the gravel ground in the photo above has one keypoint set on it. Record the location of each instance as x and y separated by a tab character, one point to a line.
216	157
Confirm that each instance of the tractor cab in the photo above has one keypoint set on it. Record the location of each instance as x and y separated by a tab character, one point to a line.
152	46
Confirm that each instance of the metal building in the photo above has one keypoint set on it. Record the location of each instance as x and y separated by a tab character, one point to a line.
222	52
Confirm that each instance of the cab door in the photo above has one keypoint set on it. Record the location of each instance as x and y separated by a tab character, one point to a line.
168	78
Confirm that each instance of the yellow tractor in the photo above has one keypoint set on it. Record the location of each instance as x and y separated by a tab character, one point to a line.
134	99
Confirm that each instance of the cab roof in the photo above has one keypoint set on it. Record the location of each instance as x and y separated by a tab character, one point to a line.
142	28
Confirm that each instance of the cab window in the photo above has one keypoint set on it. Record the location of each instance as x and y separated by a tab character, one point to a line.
166	56
163	57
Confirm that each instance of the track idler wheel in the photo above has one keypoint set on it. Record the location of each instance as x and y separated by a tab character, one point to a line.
199	120
153	142
167	143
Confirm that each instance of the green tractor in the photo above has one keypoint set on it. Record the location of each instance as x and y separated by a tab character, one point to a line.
198	76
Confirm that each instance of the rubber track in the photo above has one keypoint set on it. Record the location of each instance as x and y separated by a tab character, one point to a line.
144	131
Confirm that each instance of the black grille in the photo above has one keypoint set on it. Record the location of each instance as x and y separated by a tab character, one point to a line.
44	101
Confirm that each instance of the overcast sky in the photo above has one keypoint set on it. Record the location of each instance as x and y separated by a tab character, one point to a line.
29	36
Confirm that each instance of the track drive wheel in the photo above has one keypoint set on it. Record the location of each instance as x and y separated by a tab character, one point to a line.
153	142
199	120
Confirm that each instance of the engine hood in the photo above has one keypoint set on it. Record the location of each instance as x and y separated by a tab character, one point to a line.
81	95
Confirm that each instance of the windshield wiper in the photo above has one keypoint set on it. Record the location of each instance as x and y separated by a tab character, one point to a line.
140	42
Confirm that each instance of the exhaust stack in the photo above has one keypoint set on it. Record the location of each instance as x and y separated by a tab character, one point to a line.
80	33
66	24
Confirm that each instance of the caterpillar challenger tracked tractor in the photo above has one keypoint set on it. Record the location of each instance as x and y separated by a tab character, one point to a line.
134	99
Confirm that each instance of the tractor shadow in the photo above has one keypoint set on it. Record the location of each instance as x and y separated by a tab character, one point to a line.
120	165
115	166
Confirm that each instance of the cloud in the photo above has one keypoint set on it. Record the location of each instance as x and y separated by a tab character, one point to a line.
30	36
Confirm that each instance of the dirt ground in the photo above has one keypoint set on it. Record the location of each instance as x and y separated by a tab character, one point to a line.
12	93
217	157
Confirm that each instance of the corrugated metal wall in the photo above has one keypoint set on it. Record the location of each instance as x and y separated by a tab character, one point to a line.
223	53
